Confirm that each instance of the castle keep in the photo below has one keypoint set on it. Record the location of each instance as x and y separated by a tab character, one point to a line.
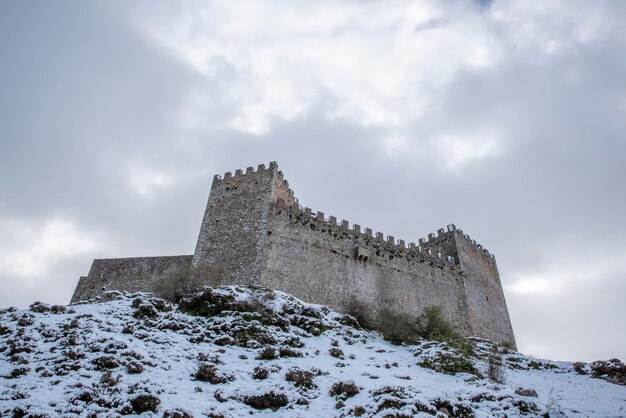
254	232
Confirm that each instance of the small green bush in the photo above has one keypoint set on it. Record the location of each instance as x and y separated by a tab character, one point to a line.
189	279
208	303
357	310
449	364
432	325
397	328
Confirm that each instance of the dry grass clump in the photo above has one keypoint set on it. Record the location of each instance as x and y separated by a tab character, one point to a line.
271	400
209	373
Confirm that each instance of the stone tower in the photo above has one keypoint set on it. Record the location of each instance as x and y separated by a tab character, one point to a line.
234	228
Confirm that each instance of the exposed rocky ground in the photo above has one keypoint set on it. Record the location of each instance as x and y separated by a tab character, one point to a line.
236	351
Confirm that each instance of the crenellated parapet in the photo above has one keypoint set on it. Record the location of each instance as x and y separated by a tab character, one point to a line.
377	240
443	241
239	173
250	172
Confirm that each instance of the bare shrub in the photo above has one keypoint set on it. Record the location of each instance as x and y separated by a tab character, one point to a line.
39	307
58	309
260	373
205	275
268	353
209	373
300	378
612	370
270	400
284	351
336	352
495	368
134	367
170	287
579	367
105	362
553	404
143	403
107	379
146	310
344	390
177	413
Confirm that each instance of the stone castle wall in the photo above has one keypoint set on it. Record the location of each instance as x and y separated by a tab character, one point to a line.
134	274
255	232
317	259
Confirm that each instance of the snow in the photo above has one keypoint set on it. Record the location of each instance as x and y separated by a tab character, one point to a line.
58	350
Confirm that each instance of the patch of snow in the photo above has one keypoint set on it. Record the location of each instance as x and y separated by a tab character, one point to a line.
100	358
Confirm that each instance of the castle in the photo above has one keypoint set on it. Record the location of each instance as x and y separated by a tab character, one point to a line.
254	232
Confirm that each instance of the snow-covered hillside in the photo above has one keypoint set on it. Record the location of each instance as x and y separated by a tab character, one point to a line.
258	352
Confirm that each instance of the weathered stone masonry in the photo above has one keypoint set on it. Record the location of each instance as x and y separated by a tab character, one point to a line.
255	232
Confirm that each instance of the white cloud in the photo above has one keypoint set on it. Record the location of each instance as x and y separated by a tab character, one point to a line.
29	250
570	307
376	64
458	151
146	181
542	284
565	271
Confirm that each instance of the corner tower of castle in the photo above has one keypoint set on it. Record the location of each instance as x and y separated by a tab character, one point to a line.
254	232
233	233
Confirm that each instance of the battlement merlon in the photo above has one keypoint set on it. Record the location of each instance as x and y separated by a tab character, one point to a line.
435	240
261	168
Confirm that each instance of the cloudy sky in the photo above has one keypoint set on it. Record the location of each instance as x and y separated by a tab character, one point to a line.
507	118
